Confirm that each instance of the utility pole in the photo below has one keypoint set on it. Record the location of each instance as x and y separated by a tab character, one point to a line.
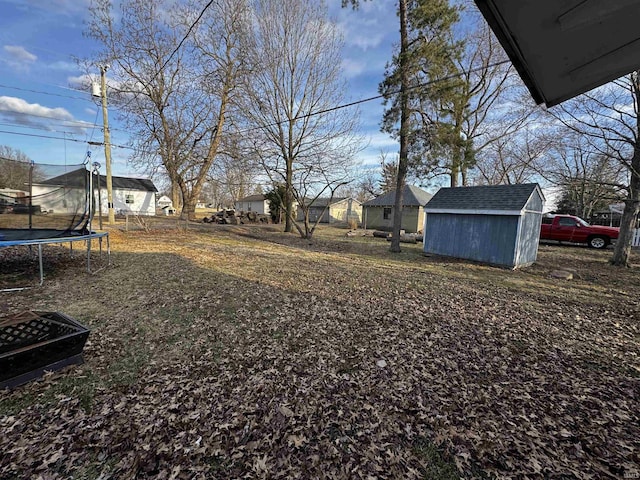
107	143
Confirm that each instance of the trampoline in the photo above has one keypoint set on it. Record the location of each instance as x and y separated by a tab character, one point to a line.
48	204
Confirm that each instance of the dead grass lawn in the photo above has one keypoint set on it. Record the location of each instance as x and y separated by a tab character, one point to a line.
229	352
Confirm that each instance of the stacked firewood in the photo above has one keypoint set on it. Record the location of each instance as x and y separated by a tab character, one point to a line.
233	217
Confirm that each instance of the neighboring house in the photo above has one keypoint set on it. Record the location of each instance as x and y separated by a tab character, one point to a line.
495	224
378	213
11	195
253	203
63	194
339	210
165	205
135	196
164	201
67	194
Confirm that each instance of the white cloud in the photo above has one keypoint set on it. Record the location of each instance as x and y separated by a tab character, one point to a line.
353	68
364	41
64	66
58	7
19	54
18	111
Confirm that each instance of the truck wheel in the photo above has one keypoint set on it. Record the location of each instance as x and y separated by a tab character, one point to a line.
598	242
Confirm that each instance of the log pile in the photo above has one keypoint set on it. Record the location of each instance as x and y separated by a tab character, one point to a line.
232	217
408	238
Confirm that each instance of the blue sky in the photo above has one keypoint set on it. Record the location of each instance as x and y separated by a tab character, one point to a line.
40	39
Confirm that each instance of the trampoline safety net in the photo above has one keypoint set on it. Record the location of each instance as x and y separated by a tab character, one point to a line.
35	198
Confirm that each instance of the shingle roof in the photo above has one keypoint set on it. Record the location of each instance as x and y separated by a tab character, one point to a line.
412	196
127	183
484	197
77	179
252	198
322	202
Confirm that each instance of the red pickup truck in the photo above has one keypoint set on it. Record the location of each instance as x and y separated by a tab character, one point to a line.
567	228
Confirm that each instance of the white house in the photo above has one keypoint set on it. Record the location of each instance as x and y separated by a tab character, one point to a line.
253	203
164	201
133	196
68	193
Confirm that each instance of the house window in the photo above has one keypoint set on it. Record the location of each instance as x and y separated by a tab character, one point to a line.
128	198
386	214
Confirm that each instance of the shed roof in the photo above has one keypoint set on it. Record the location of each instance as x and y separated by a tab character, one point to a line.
412	196
483	198
564	48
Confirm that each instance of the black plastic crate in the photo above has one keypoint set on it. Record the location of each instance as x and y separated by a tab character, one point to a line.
34	342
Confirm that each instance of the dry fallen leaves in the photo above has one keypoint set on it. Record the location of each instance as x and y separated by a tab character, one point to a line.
220	355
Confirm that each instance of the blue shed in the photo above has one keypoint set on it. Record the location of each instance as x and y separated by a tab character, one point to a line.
495	224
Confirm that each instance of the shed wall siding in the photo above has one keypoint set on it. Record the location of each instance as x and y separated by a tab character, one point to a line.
529	238
535	203
489	239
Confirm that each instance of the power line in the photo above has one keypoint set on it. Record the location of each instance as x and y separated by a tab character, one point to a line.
73	123
369	99
44	93
64	139
184	39
15	125
320	112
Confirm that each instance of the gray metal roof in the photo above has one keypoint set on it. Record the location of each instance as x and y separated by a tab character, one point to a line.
484	197
412	196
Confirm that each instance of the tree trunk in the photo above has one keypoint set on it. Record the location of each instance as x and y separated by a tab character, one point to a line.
288	200
176	196
622	249
189	208
404	127
454	174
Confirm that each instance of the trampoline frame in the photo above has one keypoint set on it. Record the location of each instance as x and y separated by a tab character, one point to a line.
73	237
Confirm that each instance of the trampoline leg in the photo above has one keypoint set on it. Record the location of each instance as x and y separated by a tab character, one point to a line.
71	249
40	261
89	255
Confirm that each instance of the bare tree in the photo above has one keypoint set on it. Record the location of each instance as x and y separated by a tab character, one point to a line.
14	168
301	138
608	118
587	179
388	173
516	158
482	106
176	80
